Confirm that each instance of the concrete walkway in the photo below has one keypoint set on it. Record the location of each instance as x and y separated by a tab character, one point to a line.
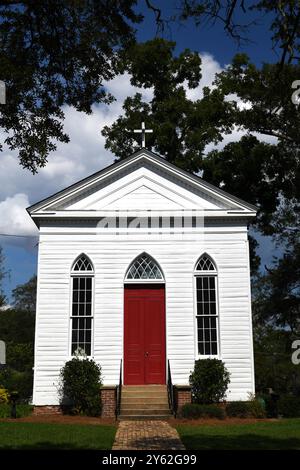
147	435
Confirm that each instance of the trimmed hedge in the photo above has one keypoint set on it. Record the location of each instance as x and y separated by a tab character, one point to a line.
245	409
237	409
209	381
257	409
194	411
22	410
80	387
289	406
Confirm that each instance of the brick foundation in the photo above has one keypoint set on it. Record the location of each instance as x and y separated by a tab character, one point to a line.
47	410
183	395
108	399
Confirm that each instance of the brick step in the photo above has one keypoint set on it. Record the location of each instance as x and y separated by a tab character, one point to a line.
143	396
144	406
142	400
144	393
143	411
145	387
143	417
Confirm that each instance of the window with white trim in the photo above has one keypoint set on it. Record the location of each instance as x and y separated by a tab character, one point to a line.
206	306
144	267
82	310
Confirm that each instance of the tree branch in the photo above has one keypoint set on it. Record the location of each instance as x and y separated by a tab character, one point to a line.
157	14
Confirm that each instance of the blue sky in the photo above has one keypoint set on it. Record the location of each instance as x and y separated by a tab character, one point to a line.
85	153
212	38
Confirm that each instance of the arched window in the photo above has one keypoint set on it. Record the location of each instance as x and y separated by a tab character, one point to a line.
82	275
205	264
82	263
144	268
207	309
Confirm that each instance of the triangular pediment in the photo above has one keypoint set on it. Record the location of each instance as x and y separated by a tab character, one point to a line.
142	181
142	197
144	189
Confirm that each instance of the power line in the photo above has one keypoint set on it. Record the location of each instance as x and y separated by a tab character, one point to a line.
19	236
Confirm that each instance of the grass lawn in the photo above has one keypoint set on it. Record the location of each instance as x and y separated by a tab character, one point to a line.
282	434
55	436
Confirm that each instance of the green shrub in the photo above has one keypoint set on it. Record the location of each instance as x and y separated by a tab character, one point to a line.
22	410
80	387
289	406
245	409
238	409
194	411
12	379
257	409
209	381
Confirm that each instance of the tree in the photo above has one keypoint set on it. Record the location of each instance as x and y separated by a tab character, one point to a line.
182	127
60	52
3	274
277	293
56	53
266	107
265	174
276	310
255	171
17	330
24	296
17	326
273	366
20	356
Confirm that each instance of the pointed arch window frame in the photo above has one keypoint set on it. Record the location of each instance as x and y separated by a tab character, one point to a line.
201	274
80	271
144	280
210	260
77	275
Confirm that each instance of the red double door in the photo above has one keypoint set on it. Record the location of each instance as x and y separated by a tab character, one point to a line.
144	335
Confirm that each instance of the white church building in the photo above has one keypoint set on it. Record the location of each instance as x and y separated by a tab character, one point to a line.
145	268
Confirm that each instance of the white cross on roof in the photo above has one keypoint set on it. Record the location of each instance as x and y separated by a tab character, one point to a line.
143	131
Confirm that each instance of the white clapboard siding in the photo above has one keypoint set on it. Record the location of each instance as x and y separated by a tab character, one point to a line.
111	259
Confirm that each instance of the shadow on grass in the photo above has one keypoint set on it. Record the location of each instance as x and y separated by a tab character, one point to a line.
45	436
42	446
241	442
45	445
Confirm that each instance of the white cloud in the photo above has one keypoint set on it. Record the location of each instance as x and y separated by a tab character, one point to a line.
14	218
209	68
120	87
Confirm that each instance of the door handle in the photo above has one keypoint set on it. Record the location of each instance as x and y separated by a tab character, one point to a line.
146	354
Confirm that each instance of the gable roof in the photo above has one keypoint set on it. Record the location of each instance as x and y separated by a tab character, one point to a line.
139	156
